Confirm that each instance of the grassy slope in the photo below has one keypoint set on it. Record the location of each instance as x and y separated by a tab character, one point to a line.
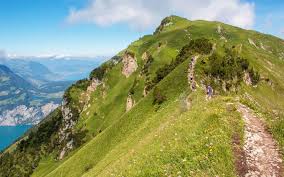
171	140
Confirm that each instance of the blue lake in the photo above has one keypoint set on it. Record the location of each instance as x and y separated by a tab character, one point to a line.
8	134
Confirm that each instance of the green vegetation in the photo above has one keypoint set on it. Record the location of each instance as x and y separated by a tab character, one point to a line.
200	46
171	131
99	72
159	97
41	141
228	71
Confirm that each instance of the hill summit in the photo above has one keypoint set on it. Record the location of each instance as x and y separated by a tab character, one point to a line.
180	102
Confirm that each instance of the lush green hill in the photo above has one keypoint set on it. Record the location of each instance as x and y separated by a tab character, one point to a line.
145	112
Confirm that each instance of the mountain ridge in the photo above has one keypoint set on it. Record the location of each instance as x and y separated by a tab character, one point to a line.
140	109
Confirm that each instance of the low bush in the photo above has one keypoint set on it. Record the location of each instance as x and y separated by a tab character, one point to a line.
159	96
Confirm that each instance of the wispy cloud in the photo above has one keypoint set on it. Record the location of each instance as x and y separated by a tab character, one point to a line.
143	14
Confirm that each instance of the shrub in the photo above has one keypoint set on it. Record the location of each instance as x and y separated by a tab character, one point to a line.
79	137
82	84
88	167
229	68
99	72
254	75
159	97
145	69
132	89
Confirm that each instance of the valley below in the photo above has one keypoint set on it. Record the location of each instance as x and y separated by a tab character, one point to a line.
30	89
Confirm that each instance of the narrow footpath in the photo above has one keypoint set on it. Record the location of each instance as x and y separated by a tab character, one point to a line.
191	78
262	157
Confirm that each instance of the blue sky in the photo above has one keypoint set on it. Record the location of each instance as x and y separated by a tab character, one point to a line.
103	27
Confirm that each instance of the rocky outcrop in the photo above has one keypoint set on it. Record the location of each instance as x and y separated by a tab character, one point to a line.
262	46
104	90
130	102
94	84
168	21
66	129
145	92
69	146
86	96
129	64
219	29
145	56
221	32
251	42
247	79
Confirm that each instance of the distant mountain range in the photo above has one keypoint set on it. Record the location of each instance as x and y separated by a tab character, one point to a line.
39	70
31	88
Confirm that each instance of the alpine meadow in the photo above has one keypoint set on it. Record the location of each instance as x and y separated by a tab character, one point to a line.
195	98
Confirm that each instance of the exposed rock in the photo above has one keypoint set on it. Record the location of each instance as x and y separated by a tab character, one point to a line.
213	49
130	102
224	86
145	92
188	102
104	90
219	29
165	22
240	48
94	84
145	56
129	64
221	32
247	79
281	55
223	38
252	42
69	146
86	96
262	46
67	127
169	24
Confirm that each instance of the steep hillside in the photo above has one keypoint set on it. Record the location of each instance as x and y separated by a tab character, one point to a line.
165	106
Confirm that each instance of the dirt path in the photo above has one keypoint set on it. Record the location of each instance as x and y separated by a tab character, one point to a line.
191	79
262	157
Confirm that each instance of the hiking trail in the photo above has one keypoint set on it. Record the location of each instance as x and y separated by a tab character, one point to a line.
191	78
262	157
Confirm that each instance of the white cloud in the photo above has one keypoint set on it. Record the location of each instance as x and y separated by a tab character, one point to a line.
143	14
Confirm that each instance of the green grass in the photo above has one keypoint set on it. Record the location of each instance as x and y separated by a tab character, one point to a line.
167	139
